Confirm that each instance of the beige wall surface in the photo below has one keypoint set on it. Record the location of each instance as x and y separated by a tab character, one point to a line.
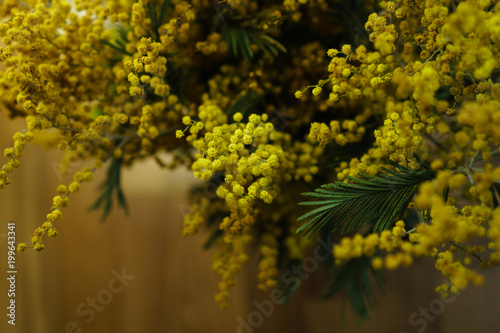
151	279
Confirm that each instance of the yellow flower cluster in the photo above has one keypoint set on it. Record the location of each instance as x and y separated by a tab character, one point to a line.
213	44
324	134
124	80
147	68
58	76
58	202
403	252
268	262
253	167
433	80
14	153
448	226
372	244
227	262
403	85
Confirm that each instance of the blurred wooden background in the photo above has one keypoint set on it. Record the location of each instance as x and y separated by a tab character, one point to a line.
174	285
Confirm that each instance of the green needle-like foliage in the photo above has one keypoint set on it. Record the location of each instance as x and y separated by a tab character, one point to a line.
157	16
241	31
495	192
244	104
110	187
349	206
118	42
239	41
355	277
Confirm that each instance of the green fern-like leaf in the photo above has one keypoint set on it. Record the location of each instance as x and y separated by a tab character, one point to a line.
111	186
241	31
356	278
349	206
495	192
244	104
238	41
157	15
118	41
115	47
